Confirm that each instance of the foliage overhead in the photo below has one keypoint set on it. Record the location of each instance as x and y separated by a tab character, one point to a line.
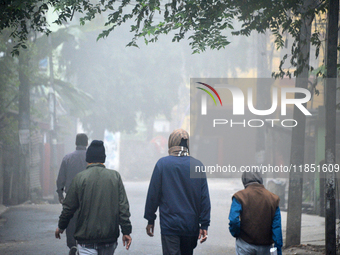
285	18
204	23
23	17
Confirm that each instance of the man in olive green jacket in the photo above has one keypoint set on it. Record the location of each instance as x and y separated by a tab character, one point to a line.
100	196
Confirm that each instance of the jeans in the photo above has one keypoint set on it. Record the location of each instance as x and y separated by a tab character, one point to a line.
244	248
97	249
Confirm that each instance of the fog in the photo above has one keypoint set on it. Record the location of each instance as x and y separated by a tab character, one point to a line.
133	98
141	93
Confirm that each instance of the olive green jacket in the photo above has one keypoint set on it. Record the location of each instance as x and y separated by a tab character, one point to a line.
100	196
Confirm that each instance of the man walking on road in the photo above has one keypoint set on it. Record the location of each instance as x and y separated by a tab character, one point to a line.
255	218
100	196
71	165
184	203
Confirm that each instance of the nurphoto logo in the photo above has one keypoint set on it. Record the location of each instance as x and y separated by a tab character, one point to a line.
239	101
245	124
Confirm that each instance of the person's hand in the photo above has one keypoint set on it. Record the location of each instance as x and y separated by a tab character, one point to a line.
127	240
61	199
58	232
149	230
203	234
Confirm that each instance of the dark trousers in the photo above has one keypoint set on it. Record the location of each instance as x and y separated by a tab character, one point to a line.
178	245
71	228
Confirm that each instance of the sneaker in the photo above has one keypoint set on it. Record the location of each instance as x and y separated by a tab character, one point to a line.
73	251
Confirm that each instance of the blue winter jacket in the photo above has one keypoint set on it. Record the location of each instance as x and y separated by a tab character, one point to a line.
184	203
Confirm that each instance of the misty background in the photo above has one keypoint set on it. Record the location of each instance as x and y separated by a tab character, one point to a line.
132	98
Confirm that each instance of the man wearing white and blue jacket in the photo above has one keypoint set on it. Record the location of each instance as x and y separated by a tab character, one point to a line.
184	203
255	218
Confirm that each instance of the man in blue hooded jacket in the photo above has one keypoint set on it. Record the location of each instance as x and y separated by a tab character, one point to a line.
184	203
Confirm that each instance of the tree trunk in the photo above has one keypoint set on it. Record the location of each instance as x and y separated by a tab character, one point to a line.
332	41
293	235
24	129
263	88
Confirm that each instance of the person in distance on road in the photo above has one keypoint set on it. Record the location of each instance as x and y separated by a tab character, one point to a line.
72	164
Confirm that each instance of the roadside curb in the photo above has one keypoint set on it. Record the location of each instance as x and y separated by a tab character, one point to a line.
304	250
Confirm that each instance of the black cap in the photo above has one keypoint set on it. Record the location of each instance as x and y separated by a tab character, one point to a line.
81	139
96	152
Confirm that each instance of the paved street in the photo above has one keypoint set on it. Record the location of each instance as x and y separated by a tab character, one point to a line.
29	229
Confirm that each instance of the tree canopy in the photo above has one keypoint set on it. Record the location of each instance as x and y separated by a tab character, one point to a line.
23	17
203	23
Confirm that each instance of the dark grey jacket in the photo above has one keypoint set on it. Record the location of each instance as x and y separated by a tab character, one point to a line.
71	165
103	206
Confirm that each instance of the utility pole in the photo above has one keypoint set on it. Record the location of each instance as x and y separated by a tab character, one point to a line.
332	41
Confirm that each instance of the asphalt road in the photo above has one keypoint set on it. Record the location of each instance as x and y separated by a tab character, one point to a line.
28	229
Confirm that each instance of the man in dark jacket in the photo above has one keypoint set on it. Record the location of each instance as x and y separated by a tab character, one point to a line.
184	203
255	218
71	165
100	196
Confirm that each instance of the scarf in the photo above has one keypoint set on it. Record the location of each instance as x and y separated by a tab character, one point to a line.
175	140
